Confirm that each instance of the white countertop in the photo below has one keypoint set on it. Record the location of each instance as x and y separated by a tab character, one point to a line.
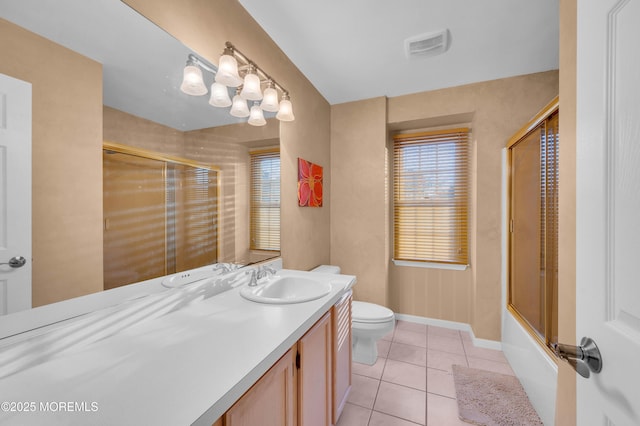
185	367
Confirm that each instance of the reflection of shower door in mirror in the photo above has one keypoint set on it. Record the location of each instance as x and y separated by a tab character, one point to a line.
533	256
160	217
196	217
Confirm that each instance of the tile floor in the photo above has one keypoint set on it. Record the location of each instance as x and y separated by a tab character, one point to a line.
411	383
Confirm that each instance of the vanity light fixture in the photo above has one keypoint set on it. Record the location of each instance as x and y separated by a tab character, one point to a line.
219	95
270	98
237	71
285	112
256	117
192	82
228	69
251	88
239	107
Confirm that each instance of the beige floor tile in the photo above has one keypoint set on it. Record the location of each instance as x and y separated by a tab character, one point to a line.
446	344
403	373
383	348
401	401
444	360
444	332
408	353
411	326
374	371
381	419
410	338
440	382
363	391
485	364
490	354
442	411
389	335
354	415
411	359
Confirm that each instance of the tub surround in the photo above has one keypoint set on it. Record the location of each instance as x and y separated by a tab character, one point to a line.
186	367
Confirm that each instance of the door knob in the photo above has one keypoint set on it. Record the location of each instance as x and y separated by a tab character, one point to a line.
585	359
15	262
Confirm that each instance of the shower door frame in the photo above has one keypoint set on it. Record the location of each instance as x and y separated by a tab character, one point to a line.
543	340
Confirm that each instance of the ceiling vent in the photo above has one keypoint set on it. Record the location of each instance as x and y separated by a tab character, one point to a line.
425	45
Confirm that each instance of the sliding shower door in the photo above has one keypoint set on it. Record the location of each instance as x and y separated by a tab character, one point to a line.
533	227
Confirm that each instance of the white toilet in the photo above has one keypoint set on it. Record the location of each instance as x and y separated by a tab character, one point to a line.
369	323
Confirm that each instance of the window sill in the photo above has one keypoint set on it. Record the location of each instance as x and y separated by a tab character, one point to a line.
430	265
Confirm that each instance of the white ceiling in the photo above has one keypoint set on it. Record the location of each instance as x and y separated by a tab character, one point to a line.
354	49
349	49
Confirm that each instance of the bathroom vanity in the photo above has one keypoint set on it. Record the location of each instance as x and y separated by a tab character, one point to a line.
221	359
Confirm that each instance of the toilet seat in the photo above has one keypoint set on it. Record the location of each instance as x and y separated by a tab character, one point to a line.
370	313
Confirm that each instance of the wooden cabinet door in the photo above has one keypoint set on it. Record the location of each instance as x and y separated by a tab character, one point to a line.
341	347
314	375
271	401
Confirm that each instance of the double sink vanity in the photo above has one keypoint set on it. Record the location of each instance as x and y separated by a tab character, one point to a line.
234	347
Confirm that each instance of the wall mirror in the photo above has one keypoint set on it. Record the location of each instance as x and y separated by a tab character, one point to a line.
142	68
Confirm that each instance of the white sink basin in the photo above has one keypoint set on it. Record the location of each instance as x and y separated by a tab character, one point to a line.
287	289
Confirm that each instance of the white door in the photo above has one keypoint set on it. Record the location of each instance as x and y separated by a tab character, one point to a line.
608	207
15	195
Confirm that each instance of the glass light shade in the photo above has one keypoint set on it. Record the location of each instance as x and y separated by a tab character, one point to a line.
251	88
192	83
239	107
270	100
219	95
256	118
285	113
228	71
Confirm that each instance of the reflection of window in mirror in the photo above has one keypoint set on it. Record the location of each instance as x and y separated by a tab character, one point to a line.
265	200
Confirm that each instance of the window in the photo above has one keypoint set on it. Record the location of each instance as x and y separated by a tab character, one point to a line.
265	200
431	191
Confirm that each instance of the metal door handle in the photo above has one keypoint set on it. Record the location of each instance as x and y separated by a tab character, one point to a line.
585	358
16	262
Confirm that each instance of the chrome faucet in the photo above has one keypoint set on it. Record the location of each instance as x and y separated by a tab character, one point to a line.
260	273
222	266
225	267
266	271
253	280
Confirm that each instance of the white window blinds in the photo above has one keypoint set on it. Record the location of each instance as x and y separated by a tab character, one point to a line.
265	200
431	196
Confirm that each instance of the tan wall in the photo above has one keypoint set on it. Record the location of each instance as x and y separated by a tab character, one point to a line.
497	109
359	206
66	161
205	26
566	396
127	129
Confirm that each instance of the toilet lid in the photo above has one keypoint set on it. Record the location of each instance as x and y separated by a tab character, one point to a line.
370	312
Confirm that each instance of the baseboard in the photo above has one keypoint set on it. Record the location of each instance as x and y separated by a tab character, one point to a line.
461	326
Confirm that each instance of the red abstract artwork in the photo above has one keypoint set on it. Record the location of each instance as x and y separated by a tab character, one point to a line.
309	184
